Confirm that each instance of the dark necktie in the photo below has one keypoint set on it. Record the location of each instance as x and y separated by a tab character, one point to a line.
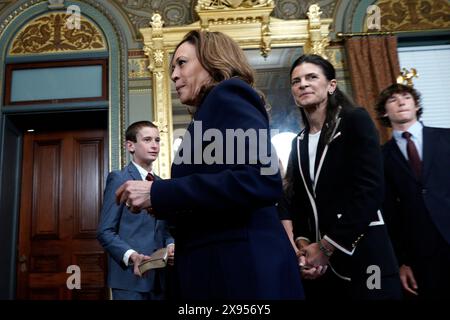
413	155
150	177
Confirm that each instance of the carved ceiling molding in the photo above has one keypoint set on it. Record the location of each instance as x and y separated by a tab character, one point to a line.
232	4
294	9
173	12
49	33
178	13
400	15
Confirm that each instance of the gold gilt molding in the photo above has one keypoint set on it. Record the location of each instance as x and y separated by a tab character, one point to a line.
215	13
406	76
400	15
336	57
317	41
248	22
234	4
50	34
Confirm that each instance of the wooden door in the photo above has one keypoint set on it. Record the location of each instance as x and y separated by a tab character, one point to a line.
63	177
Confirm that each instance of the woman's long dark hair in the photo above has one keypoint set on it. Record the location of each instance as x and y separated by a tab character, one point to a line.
336	101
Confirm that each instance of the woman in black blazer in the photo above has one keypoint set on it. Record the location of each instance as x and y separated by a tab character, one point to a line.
334	192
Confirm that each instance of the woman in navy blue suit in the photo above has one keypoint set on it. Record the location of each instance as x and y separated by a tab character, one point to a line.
225	184
335	191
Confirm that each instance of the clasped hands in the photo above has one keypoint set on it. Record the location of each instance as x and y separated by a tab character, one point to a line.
312	261
135	194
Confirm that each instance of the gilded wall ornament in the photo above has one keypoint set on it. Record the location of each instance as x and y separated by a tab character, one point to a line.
317	43
336	57
406	76
233	4
158	55
156	21
314	14
51	34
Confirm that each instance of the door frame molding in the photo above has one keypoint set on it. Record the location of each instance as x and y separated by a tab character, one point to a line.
109	21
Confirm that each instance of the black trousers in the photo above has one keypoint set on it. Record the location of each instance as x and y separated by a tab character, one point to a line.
332	287
433	274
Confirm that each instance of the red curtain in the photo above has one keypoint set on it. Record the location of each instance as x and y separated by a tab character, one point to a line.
374	65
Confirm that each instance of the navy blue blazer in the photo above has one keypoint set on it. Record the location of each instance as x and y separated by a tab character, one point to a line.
120	230
418	210
344	203
230	242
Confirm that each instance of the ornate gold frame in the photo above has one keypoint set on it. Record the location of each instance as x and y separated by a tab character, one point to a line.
250	24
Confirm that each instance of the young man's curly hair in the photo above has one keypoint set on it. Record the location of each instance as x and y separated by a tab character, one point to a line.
387	93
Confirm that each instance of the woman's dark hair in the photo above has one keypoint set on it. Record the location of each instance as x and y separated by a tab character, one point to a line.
380	106
336	100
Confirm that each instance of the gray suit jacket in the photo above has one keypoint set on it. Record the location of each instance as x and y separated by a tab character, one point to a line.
120	230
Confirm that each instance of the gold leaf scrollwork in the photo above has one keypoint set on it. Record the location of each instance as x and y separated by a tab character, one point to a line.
156	22
231	4
314	14
406	76
318	47
163	128
50	34
317	43
265	39
148	52
158	55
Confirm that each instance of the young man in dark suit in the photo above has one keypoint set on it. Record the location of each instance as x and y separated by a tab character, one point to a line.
131	238
417	204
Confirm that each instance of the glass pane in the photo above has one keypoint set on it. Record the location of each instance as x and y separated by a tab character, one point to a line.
56	83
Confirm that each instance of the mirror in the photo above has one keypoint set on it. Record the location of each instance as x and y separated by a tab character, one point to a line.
270	44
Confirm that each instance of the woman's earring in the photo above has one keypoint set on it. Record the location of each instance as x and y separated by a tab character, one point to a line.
331	92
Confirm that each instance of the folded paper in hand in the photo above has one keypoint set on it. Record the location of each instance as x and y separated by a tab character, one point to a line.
157	260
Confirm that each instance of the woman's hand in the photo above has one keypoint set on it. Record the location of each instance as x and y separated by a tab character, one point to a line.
171	254
135	194
309	272
313	262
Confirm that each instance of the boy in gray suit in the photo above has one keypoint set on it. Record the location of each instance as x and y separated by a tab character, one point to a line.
131	238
